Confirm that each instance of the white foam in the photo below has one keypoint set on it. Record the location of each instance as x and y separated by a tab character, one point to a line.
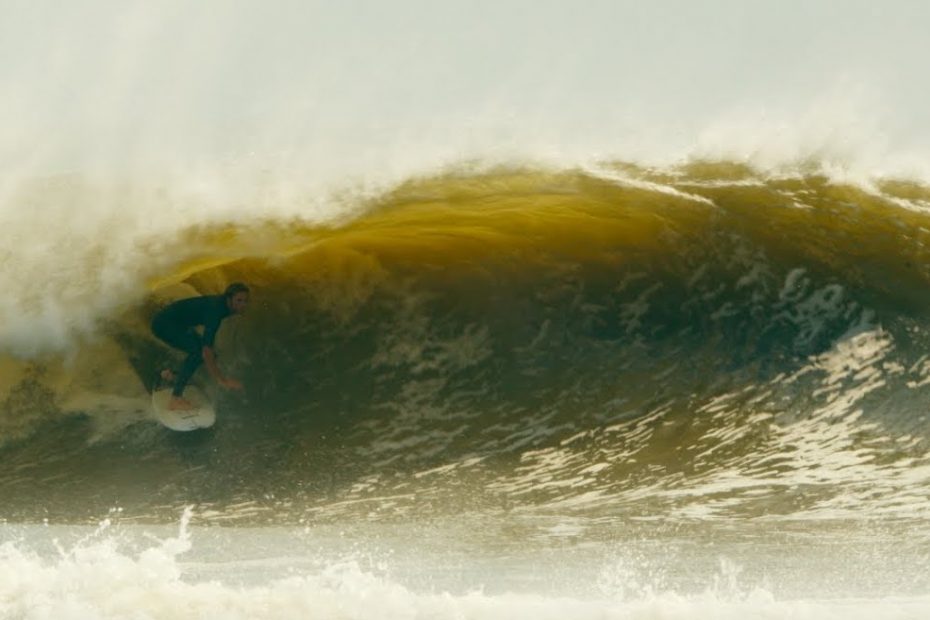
99	578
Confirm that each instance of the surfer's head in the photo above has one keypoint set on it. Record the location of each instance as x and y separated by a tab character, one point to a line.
237	297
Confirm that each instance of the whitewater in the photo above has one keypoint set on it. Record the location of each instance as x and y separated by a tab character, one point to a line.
594	311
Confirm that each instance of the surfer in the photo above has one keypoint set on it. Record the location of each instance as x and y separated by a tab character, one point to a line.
175	325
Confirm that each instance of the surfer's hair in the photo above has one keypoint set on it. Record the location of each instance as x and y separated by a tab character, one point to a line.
233	289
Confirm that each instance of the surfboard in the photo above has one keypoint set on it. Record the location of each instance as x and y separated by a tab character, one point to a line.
201	416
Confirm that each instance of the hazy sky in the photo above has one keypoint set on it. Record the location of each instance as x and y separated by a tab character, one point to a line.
111	80
173	114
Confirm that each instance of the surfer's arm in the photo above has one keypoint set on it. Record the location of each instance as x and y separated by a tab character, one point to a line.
209	360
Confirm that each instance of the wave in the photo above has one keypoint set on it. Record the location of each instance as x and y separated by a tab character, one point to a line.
694	340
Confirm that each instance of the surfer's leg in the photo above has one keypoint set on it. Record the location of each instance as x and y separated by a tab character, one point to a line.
175	336
191	364
184	339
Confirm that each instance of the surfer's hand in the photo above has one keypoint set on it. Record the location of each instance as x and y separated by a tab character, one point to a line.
231	384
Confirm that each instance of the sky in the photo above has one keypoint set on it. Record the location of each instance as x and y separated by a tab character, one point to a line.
122	123
348	85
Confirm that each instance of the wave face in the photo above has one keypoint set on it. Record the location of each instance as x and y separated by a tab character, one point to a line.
700	340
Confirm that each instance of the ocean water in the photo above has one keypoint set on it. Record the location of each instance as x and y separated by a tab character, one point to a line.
548	320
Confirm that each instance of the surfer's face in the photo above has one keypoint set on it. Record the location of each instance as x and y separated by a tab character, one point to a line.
238	302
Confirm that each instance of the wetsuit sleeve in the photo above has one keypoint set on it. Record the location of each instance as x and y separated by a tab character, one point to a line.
216	311
211	325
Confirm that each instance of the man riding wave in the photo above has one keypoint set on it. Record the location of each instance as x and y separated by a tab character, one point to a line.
176	325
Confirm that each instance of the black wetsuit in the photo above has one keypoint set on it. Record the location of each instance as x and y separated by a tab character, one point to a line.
175	325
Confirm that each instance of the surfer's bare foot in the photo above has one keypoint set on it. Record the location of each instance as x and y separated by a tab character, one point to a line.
167	375
179	404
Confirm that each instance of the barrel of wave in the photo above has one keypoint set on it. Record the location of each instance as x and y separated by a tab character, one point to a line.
103	378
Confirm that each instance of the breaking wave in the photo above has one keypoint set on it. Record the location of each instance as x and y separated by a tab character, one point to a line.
700	340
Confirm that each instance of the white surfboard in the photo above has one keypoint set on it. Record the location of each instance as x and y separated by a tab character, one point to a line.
201	416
